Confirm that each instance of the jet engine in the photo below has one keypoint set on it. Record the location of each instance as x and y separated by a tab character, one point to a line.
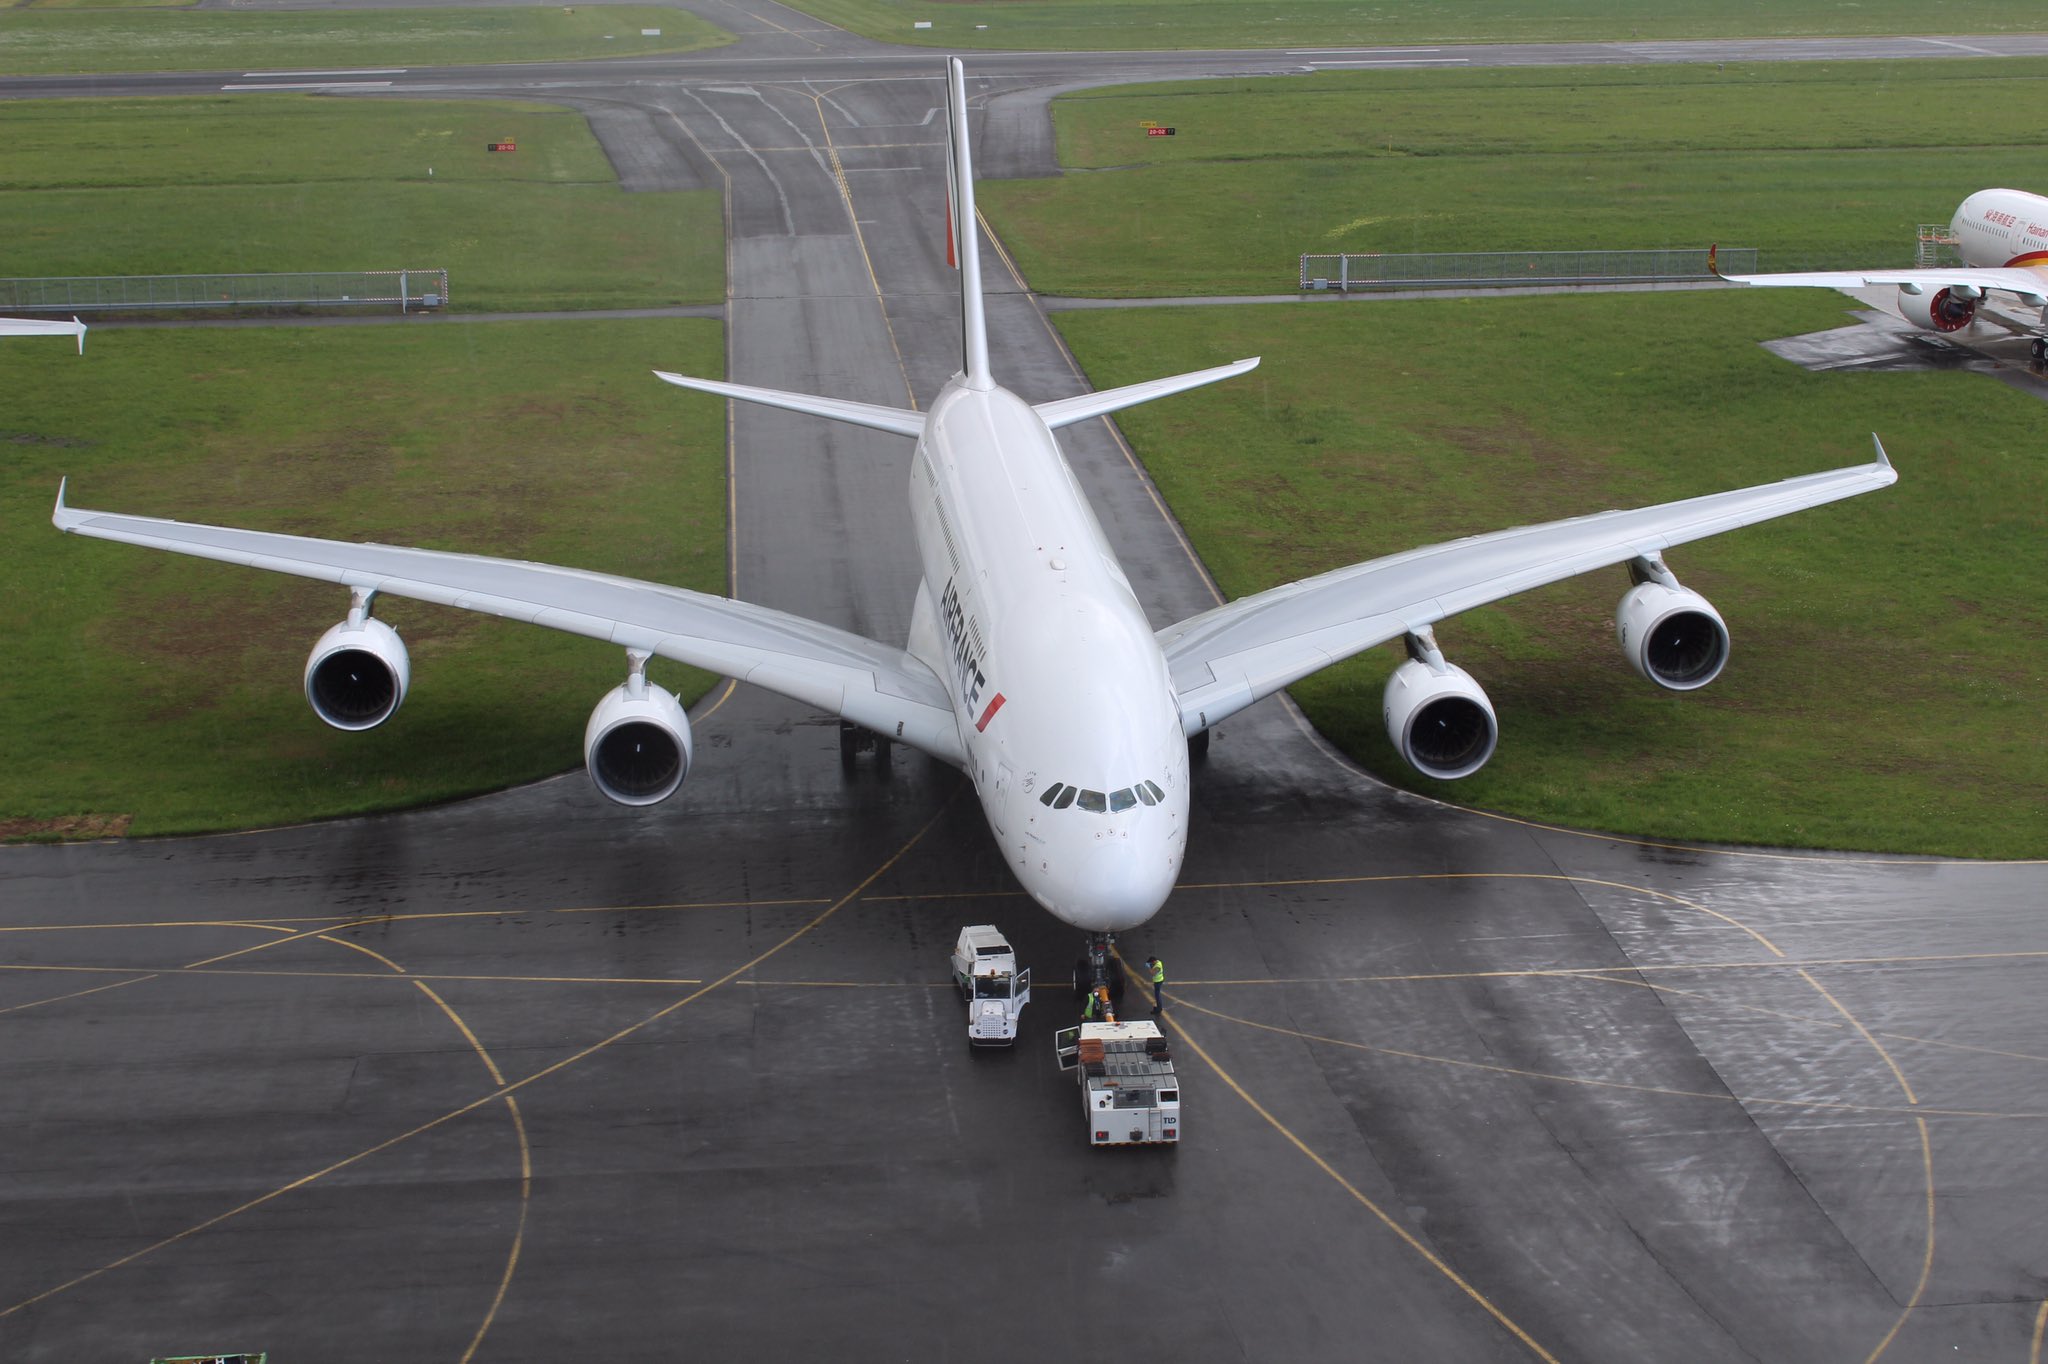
1944	310
1671	635
1438	718
357	674
637	744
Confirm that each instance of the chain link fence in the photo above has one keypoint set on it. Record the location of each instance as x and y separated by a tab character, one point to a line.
407	290
1502	269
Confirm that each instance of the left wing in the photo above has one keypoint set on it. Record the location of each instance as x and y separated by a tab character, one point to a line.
23	326
1224	660
2031	285
878	687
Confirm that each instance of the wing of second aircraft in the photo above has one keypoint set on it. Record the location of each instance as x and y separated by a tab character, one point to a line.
2030	284
873	685
1224	660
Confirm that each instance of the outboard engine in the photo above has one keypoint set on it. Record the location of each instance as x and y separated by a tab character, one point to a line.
1670	634
637	744
1438	718
357	675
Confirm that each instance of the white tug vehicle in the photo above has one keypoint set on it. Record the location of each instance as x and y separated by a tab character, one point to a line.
985	969
1129	1092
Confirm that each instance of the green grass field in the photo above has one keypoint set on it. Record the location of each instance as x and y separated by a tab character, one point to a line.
1815	165
45	39
156	694
294	182
1890	653
1114	25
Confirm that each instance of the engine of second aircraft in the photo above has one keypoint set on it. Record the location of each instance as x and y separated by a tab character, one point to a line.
637	744
1943	310
1439	719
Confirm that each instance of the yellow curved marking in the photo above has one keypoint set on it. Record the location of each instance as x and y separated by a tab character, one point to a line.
499	1093
1926	1167
2040	1323
79	994
525	1172
1407	1238
518	1130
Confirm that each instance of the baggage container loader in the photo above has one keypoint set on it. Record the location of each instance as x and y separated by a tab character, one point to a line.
1130	1094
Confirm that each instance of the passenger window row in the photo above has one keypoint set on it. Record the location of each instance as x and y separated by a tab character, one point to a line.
1059	796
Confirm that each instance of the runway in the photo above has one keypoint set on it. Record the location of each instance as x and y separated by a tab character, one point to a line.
535	1076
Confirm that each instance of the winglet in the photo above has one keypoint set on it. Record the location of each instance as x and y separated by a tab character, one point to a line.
81	337
1878	445
57	516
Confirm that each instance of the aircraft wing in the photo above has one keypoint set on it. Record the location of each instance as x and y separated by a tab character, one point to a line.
2007	278
873	685
23	326
1224	660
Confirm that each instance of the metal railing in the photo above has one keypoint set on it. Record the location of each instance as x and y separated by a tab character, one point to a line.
1504	269
407	290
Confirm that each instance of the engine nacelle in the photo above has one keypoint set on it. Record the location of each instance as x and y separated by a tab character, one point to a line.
1440	721
357	675
1944	310
637	744
1671	635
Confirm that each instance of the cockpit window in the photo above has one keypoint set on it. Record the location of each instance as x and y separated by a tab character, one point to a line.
1059	796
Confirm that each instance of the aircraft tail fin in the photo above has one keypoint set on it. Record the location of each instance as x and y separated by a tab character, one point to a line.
962	243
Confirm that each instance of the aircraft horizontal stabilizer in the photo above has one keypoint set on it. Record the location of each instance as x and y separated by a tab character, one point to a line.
1067	411
900	421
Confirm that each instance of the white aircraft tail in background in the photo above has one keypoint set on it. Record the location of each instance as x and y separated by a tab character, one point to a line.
23	326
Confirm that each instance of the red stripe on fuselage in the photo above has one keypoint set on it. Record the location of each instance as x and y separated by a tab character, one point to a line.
2029	258
989	714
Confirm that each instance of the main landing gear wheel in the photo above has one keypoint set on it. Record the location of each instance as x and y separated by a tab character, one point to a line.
2040	350
854	741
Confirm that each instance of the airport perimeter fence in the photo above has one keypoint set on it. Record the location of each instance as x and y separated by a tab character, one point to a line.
1505	269
407	290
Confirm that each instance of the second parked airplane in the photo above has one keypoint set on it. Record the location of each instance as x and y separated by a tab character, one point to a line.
2002	236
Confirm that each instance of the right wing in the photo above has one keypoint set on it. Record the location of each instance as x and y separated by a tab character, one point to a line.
2031	285
22	326
1224	660
875	686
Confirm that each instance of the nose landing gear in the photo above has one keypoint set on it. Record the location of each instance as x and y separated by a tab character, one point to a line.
1097	966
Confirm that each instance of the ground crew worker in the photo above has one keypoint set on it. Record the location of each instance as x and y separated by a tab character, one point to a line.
1098	1006
1158	969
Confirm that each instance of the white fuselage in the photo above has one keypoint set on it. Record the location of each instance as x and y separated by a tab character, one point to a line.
2002	227
1067	715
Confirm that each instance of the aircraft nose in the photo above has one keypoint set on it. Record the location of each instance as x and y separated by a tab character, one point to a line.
1115	884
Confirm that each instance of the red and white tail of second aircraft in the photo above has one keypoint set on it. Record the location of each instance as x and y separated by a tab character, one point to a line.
1030	663
2002	236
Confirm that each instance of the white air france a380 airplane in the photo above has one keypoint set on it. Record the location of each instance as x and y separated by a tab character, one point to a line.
2002	236
1030	664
